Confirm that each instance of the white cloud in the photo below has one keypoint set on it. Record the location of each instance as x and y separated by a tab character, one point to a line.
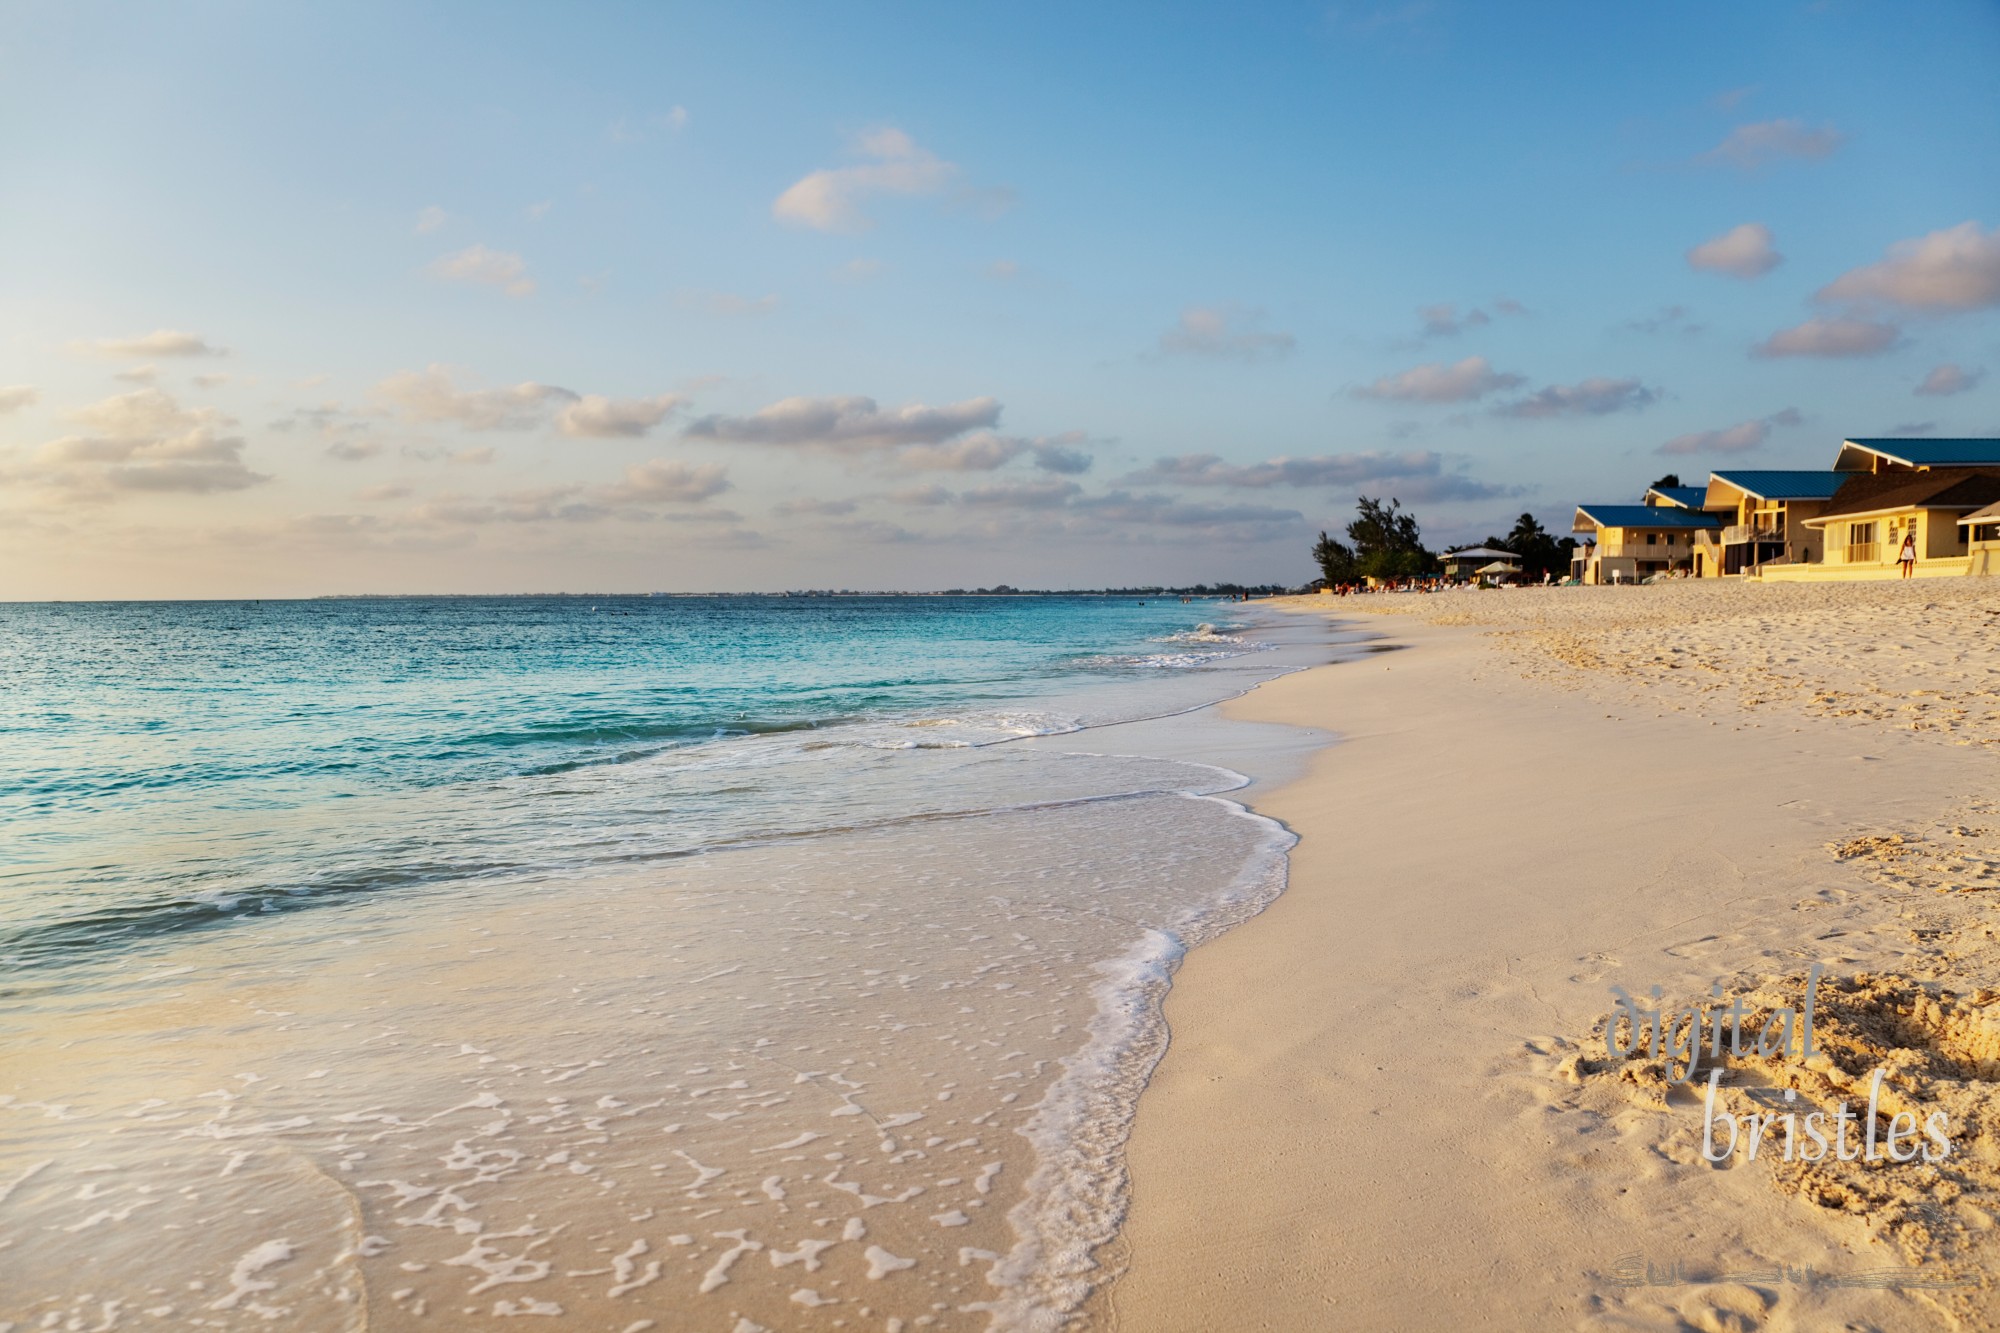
1436	382
595	417
831	199
209	381
14	397
1443	320
1744	251
849	424
145	374
1830	338
1738	439
353	451
1766	141
478	457
431	395
1946	379
661	481
1954	269
486	268
1021	494
1419	476
1225	331
160	342
430	219
145	441
925	496
979	452
1594	397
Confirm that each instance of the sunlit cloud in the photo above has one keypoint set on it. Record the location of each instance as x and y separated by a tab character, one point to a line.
160	342
1753	146
831	198
1830	338
430	219
1954	269
1948	379
1227	332
1436	382
848	424
1593	397
668	481
1741	438
1745	251
145	441
595	417
14	397
480	266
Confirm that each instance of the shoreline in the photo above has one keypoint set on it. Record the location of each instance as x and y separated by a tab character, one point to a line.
1364	1084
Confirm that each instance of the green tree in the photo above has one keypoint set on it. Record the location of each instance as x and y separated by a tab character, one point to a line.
1539	551
1388	543
1335	560
1671	479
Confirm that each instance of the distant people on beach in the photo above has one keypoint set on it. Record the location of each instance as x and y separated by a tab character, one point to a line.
1907	557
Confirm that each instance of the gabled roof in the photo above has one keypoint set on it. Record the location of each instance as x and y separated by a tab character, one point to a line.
1858	455
1681	497
1990	514
1642	516
1784	485
1480	553
1886	492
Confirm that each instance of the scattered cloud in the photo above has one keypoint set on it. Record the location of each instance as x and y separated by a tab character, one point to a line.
1754	146
430	219
389	491
1744	251
1914	428
14	397
1021	494
814	508
1436	382
831	198
848	424
1002	270
479	457
1947	379
1954	269
1830	337
1738	439
209	381
926	496
860	270
1593	397
1730	99
595	417
535	212
725	303
486	268
145	374
1416	476
353	451
1443	321
982	451
1062	454
431	395
145	441
661	481
160	342
1228	332
1669	319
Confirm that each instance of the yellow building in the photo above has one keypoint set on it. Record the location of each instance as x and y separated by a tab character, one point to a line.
1626	543
1876	515
1982	540
1765	517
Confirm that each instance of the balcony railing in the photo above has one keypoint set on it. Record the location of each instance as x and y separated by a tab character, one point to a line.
1737	533
1862	553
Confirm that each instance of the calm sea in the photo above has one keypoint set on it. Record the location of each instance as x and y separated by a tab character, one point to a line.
721	962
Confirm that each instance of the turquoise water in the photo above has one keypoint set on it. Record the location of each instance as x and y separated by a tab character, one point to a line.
723	963
164	762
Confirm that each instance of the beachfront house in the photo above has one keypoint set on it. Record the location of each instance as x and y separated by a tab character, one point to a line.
1915	455
1471	562
1867	521
1982	540
1626	543
1677	497
1764	519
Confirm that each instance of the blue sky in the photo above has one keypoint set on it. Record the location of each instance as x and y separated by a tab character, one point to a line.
493	298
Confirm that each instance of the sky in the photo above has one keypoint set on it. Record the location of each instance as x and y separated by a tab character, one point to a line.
299	300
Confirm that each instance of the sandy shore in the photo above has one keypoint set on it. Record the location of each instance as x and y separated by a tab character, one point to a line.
1388	1103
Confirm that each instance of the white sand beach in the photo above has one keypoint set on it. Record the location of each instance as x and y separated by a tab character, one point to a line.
1387	1101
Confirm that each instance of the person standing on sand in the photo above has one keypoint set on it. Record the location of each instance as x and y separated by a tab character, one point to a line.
1907	557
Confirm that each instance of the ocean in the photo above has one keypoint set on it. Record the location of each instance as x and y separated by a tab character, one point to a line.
723	963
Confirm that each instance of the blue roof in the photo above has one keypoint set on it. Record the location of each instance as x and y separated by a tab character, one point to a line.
1919	452
1647	516
1786	485
1687	497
